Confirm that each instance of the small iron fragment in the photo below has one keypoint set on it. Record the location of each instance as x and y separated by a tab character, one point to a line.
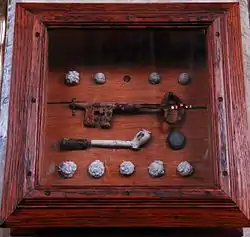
127	168
72	78
185	169
184	79
67	169
156	168
154	78
96	169
176	140
99	78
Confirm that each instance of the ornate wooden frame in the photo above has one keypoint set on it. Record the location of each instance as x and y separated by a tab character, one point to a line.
26	203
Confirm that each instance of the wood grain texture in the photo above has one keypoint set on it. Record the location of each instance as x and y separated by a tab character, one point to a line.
142	13
135	217
59	206
21	149
219	123
229	64
14	189
237	116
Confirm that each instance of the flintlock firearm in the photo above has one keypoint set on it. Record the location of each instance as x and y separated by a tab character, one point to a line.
100	114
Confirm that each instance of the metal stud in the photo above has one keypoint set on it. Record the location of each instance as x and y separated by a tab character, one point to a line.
96	169
72	78
127	168
127	78
184	79
156	168
99	78
67	169
154	78
185	169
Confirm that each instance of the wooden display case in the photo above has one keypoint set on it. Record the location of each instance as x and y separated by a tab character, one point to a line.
127	42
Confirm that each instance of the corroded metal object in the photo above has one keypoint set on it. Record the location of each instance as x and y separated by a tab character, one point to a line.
176	140
185	168
127	168
72	78
96	169
100	114
68	144
156	168
67	169
184	79
140	139
154	78
99	78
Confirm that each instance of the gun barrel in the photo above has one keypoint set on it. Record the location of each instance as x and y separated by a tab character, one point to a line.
199	107
184	106
80	106
119	107
134	108
137	108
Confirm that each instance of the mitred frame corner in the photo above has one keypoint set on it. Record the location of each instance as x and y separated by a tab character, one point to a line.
26	203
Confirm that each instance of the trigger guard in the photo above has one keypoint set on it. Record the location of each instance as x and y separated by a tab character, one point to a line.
172	99
181	114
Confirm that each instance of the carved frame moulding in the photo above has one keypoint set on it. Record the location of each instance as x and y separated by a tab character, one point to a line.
27	203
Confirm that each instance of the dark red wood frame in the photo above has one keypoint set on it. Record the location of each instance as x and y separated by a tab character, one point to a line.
26	203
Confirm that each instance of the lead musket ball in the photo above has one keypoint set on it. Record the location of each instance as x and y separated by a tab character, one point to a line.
176	140
99	78
127	168
185	169
154	78
67	169
184	79
96	169
156	168
72	78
